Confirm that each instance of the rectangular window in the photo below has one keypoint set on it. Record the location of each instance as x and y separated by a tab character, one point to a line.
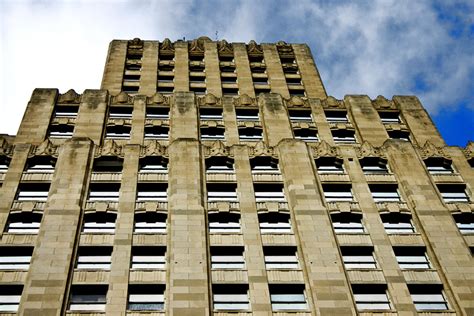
156	132
300	115
452	193
61	131
439	165
336	116
118	132
148	257
465	223
306	134
212	133
389	117
269	192
153	164
385	192
264	164
274	223
157	113
94	258
150	223
24	223
371	296
99	223
210	114
152	192
373	165
250	134
219	164
15	258
224	222
397	223
120	112
280	257
88	297
358	257
347	223
412	258
343	136
329	165
247	115
146	297
229	258
428	297
337	192
400	135
288	297
230	297
222	192
4	164
104	192
33	192
10	296
66	110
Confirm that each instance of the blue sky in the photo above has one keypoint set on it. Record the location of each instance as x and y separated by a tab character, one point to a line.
380	47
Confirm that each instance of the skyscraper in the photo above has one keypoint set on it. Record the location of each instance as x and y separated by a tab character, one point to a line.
214	178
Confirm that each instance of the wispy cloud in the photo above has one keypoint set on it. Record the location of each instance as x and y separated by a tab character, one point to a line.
366	47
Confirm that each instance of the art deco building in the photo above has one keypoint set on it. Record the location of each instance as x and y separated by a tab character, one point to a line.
208	178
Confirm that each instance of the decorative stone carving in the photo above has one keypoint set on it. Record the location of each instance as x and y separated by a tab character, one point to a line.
296	101
367	150
469	150
382	103
153	148
253	48
393	208
167	45
69	97
197	45
261	149
430	150
135	43
122	98
209	100
46	148
245	100
332	102
5	147
110	148
323	149
158	98
284	49
217	149
225	48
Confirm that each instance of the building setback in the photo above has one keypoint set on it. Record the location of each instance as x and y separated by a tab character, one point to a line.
208	178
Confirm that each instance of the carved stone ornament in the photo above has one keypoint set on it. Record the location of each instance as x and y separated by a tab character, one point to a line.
225	48
296	101
167	45
209	100
197	45
367	150
110	148
69	97
383	103
46	148
430	150
122	98
469	150
153	148
158	98
5	147
245	100
135	43
284	49
216	149
253	48
324	150
332	102
261	149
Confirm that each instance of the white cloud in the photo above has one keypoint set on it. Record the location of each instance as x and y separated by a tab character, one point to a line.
376	47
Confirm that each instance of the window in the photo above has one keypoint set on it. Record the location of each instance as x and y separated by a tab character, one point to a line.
287	59
224	222
228	257
219	164
300	115
228	78
412	258
66	110
24	223
131	78
264	164
296	93
150	223
337	192
293	81
94	258
120	112
198	90
274	223
400	135
269	192
358	257
374	165
159	113
397	223
197	77
256	59
156	132
99	223
129	89
148	257
118	132
247	114
306	134
465	223
344	136
15	258
153	164
280	257
152	192
109	164
146	297
439	165
260	80
336	116
371	296
230	92
262	89
33	192
166	56
222	192
226	58
210	114
104	192
347	223
428	297
230	296
227	68
329	165
10	296
250	133
40	164
4	164
88	297
452	193
61	131
286	297
384	192
212	133
165	78
389	117
471	162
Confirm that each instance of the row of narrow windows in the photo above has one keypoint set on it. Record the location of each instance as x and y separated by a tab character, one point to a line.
229	223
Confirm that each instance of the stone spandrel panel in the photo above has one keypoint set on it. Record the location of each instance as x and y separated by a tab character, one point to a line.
52	257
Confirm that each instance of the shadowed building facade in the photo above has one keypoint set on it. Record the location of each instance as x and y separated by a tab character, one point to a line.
209	178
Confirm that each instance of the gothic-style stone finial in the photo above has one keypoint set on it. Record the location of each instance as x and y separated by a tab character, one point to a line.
46	148
254	49
325	150
69	97
167	45
261	149
367	150
225	48
430	150
110	148
154	148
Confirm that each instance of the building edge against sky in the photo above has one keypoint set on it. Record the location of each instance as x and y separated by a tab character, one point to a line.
213	178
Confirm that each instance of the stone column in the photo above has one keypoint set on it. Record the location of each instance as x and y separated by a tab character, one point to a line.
92	115
244	74
114	67
213	72
149	72
181	67
310	77
276	77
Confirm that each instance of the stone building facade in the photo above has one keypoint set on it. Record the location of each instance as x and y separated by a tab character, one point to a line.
208	178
